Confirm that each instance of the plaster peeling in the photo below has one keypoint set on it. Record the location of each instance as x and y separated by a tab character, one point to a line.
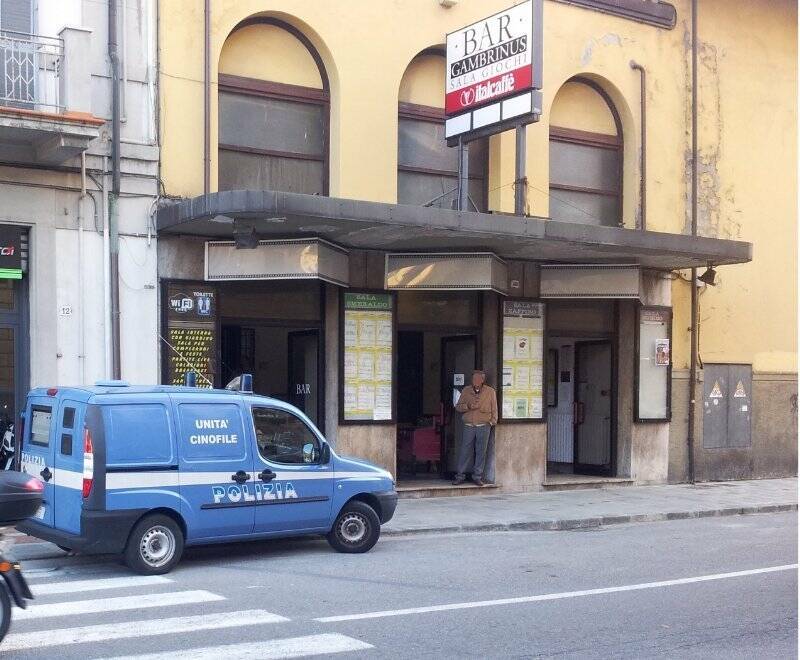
712	219
608	39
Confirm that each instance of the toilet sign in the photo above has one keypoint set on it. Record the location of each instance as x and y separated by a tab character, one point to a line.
740	393
716	391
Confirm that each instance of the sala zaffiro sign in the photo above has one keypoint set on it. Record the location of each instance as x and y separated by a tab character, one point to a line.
492	63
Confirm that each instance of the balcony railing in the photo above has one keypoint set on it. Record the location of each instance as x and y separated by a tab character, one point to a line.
30	66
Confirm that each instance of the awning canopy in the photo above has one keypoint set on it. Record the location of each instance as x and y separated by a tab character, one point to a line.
401	228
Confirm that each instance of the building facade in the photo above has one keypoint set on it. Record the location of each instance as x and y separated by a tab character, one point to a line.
312	237
61	211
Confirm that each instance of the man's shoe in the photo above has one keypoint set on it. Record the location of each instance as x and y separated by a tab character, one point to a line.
478	482
458	481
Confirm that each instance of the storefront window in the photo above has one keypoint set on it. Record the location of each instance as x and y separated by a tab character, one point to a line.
654	364
367	360
522	382
191	333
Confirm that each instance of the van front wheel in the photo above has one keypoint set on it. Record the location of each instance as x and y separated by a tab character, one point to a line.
155	545
356	529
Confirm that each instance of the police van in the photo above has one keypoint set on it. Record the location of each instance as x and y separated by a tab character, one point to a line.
145	471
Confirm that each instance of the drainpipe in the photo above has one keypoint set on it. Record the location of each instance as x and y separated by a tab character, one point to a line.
113	198
81	312
207	98
693	341
643	155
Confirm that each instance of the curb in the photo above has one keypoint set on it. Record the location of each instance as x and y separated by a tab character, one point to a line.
588	523
44	550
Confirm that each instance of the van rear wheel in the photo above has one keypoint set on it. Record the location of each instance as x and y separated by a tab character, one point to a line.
357	528
154	546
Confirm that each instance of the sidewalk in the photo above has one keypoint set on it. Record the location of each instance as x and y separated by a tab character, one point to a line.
568	509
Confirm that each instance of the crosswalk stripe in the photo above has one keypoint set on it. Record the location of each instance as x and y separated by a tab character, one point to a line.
116	604
77	586
291	647
128	629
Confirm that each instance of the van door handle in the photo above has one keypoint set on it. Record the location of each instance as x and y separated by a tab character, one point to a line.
240	477
267	475
46	474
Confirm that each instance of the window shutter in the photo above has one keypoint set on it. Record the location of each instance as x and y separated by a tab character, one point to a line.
16	16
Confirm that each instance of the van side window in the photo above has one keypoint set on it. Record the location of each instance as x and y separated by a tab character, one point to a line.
41	417
69	418
284	438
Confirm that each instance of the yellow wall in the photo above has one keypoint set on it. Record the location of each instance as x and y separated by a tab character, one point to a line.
423	81
267	52
579	106
747	128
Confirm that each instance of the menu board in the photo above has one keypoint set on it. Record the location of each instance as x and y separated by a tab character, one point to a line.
523	359
655	325
367	356
191	331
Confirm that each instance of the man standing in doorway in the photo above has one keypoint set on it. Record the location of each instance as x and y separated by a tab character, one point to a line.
478	405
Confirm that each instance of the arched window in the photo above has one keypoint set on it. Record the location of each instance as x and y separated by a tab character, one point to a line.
427	169
273	111
585	156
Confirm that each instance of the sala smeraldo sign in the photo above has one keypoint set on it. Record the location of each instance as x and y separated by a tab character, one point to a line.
495	58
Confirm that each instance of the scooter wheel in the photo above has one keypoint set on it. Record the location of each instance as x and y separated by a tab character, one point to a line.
5	611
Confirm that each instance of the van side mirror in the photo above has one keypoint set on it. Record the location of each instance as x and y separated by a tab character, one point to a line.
325	454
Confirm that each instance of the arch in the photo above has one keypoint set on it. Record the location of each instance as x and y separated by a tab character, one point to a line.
586	154
427	169
273	103
289	29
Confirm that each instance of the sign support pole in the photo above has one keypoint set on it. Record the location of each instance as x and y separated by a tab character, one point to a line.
520	180
463	175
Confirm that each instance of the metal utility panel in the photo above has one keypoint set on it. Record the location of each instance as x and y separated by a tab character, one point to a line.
590	281
299	259
727	406
446	272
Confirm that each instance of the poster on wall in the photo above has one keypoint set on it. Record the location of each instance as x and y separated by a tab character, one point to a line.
654	360
190	337
523	359
367	357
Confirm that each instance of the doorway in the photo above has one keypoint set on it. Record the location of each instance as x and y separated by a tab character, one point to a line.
284	361
433	367
580	418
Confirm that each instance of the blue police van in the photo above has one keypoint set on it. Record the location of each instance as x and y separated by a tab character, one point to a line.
145	471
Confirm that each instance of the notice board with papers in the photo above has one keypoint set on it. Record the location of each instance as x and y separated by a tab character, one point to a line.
522	378
367	357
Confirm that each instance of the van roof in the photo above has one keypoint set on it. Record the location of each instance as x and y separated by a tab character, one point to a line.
110	387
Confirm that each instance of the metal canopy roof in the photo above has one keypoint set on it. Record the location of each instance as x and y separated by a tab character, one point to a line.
401	228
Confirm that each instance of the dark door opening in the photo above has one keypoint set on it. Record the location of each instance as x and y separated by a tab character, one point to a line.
593	408
432	369
459	359
285	362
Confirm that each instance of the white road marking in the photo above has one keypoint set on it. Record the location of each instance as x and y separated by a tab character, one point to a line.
130	629
77	586
116	604
555	596
292	647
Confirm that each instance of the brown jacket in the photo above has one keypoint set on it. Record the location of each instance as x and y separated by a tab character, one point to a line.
486	401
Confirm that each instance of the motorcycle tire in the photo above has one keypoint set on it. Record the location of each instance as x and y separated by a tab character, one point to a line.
5	611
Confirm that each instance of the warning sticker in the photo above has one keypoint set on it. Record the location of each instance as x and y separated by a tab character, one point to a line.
739	393
716	391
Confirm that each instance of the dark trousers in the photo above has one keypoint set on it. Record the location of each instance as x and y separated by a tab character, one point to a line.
473	444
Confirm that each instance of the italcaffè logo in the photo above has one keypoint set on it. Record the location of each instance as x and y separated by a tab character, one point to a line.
487	90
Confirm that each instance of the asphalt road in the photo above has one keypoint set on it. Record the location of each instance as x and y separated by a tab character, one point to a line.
688	588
